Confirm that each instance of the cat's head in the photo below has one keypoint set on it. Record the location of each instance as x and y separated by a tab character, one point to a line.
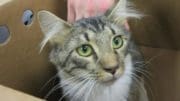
91	48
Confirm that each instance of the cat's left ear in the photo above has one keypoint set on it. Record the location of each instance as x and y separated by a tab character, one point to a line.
121	12
55	29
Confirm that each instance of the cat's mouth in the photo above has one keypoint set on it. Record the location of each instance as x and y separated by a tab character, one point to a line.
111	76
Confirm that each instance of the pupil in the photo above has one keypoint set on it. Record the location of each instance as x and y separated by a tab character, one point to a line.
116	41
84	48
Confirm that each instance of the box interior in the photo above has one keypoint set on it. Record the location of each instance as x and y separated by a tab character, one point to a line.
23	68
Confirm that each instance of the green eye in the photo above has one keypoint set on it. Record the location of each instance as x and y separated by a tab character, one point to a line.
85	50
117	42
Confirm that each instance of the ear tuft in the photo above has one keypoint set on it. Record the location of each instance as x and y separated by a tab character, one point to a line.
122	11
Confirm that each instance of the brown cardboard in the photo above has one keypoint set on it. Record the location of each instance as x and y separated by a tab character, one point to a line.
12	95
23	68
21	65
165	73
160	26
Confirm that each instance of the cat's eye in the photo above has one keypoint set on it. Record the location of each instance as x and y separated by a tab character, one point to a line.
117	42
85	50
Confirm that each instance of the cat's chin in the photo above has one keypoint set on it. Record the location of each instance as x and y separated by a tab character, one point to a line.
109	81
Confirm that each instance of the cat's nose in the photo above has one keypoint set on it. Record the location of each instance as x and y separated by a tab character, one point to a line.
111	69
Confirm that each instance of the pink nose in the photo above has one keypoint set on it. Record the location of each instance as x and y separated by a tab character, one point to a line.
112	69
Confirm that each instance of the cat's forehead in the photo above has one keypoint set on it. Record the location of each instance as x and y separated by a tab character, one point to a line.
97	25
96	29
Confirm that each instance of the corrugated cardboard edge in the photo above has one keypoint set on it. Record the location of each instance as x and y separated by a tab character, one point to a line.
8	94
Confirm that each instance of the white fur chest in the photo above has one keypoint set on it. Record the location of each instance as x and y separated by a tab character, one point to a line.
116	92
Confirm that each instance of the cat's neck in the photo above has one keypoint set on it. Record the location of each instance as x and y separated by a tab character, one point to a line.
116	92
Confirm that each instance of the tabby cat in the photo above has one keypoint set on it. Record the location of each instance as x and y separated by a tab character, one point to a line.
95	57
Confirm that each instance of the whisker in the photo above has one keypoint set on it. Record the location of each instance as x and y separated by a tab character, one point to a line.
52	78
137	79
139	83
77	78
67	81
80	93
141	86
51	91
55	88
150	60
145	74
90	90
78	85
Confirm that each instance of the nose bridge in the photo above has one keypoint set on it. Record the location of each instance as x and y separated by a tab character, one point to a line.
109	60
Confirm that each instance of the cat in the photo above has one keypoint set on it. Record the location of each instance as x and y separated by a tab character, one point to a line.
95	57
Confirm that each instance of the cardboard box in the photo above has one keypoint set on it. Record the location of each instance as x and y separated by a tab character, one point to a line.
8	94
24	69
21	66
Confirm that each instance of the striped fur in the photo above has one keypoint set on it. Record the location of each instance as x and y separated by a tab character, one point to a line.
88	78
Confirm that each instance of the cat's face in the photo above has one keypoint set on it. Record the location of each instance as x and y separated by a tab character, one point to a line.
91	48
95	49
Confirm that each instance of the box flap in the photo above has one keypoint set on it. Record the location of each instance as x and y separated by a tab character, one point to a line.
7	94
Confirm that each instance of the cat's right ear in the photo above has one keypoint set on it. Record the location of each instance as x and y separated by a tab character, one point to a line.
55	29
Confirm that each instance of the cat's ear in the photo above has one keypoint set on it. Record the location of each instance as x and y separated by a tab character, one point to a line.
55	29
121	12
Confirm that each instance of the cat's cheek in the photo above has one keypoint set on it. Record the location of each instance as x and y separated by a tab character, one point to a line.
91	66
